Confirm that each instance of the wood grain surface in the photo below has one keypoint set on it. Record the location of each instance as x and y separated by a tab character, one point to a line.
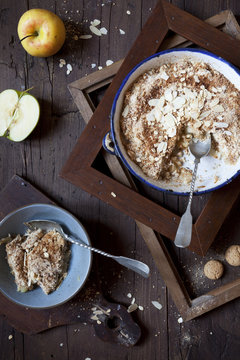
40	158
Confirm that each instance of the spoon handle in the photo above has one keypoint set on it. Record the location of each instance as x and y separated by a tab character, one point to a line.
184	232
196	162
132	264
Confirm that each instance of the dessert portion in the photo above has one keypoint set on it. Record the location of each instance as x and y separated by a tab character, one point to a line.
168	106
38	258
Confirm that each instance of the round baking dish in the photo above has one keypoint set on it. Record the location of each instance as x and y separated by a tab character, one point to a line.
210	168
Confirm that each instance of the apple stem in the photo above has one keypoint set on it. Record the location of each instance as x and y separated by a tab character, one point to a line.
25	91
34	34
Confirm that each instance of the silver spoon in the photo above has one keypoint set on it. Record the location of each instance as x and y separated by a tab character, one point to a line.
184	233
46	225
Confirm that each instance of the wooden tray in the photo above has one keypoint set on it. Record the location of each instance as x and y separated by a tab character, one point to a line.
79	169
18	193
82	91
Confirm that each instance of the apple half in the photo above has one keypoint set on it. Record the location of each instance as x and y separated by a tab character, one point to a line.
19	114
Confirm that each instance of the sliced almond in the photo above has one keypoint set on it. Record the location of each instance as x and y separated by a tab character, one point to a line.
103	31
109	62
162	147
168	95
171	132
220	124
194	104
194	115
167	109
85	37
169	120
157	305
132	308
207	123
179	102
150	117
204	115
95	31
158	115
218	108
125	111
196	78
214	89
164	75
95	22
153	102
214	102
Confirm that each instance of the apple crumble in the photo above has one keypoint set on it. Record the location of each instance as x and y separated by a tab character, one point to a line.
168	106
38	258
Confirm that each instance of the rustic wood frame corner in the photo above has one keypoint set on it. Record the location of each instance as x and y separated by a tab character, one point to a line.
79	171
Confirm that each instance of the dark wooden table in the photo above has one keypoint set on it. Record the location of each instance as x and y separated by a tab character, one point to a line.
39	159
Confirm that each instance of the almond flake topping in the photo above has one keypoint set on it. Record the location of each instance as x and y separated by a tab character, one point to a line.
125	111
153	102
162	147
164	76
179	102
220	125
214	102
218	108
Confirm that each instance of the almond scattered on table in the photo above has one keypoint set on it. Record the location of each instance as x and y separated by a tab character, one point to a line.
157	305
132	308
109	62
180	320
85	37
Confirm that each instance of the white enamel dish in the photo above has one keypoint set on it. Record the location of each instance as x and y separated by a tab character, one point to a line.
212	173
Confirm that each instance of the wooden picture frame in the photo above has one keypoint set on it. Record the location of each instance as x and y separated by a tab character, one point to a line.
78	169
80	172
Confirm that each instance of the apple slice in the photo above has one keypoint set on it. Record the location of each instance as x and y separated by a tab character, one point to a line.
19	114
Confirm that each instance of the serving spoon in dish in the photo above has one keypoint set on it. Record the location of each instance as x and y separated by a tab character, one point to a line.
184	233
132	264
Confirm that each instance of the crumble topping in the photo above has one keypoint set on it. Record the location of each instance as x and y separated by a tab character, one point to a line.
168	106
38	258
